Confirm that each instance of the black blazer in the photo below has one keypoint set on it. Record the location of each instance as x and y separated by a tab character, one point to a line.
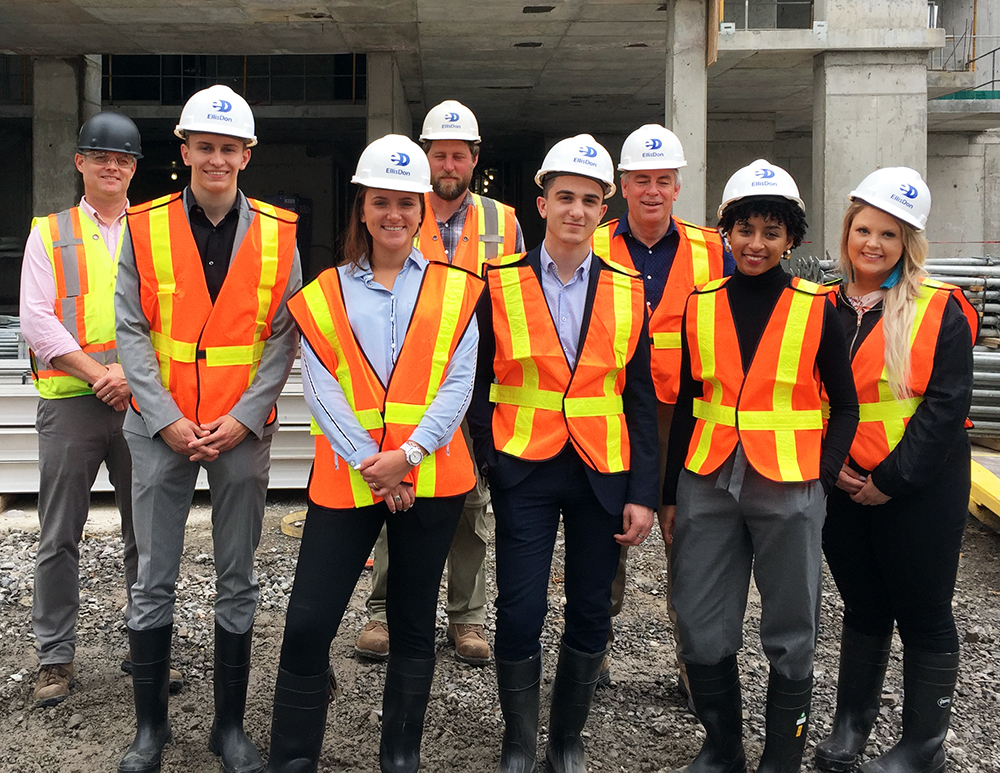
639	485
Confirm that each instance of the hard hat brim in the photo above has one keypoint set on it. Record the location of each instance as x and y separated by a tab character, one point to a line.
609	188
467	137
897	212
639	167
402	185
183	133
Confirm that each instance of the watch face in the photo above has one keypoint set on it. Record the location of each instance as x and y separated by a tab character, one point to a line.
413	456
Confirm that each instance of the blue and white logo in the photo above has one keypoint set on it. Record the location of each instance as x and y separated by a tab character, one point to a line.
222	106
451	117
588	152
654	144
908	190
765	174
399	159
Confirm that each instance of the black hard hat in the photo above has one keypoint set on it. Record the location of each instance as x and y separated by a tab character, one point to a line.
110	131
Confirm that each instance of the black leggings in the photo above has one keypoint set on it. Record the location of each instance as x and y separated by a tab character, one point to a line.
897	562
335	546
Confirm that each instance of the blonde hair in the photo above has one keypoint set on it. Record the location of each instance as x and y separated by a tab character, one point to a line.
899	307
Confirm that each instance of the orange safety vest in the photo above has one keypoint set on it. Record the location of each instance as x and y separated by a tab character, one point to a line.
774	409
84	273
883	418
490	231
209	353
445	306
698	260
540	402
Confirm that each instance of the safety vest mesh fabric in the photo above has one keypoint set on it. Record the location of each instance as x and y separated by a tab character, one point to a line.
84	273
490	231
445	306
698	260
208	354
540	402
774	409
883	418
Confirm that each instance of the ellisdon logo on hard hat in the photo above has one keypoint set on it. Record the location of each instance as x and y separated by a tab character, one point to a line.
765	181
765	173
909	192
654	144
222	106
451	117
399	159
588	153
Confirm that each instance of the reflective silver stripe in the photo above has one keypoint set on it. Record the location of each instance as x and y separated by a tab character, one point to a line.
68	246
489	211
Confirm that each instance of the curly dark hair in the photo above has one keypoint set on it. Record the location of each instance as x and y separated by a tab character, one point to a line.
776	208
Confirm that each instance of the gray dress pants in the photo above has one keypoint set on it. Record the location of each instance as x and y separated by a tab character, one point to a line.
75	435
162	489
732	522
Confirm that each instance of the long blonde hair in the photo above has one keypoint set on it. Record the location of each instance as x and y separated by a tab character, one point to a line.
899	307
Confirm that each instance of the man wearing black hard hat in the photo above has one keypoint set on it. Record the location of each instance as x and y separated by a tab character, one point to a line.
68	319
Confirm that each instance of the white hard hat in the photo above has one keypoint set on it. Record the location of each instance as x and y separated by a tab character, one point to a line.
396	163
761	178
651	147
899	191
451	120
580	155
217	110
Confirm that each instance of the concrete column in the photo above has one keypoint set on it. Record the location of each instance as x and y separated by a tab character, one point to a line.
870	110
991	194
687	101
66	92
388	112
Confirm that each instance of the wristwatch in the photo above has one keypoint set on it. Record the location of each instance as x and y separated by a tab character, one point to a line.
414	455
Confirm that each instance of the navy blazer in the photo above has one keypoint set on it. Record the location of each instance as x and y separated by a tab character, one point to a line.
639	484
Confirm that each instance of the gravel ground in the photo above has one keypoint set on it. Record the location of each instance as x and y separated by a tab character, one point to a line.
640	724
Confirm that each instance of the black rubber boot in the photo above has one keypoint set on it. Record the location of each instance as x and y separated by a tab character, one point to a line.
863	661
404	701
228	740
786	723
298	722
928	687
572	692
716	693
150	686
518	684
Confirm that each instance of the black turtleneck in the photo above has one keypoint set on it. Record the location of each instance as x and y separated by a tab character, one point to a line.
751	301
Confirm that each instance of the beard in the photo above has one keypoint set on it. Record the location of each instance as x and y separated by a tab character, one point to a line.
450	189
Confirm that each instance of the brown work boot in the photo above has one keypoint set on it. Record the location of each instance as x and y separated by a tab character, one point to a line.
54	681
604	678
175	678
470	643
373	641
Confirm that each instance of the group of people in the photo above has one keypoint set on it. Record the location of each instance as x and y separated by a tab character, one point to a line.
620	373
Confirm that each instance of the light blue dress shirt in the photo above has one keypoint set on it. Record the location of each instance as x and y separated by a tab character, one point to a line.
566	301
380	318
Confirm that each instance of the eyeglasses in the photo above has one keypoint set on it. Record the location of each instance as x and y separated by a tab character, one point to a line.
122	160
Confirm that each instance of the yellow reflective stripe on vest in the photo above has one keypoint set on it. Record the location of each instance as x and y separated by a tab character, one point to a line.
611	405
404	413
163	267
666	340
704	308
891	410
892	413
786	376
315	300
700	265
268	279
167	347
717	414
451	308
601	240
241	354
427	476
510	286
583	407
526	397
781	421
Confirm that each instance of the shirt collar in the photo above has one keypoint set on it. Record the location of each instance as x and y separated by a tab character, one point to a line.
190	202
549	266
94	215
623	227
414	259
